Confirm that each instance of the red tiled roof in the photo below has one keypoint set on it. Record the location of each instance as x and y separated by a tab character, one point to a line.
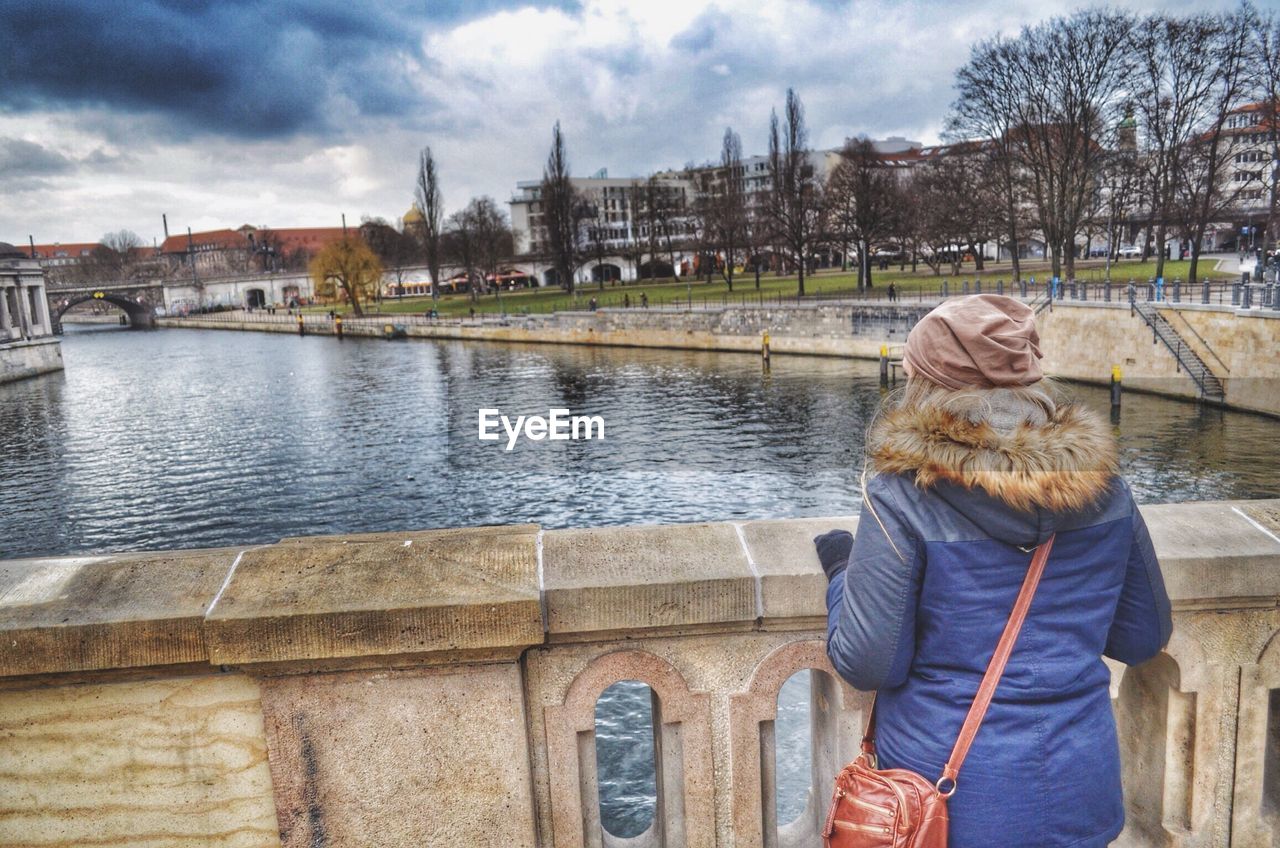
73	250
309	239
289	239
208	240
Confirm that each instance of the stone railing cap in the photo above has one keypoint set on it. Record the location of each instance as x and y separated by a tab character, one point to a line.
1218	550
476	591
111	611
623	578
792	583
379	594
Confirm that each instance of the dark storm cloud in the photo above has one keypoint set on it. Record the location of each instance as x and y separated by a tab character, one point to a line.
27	165
21	159
245	68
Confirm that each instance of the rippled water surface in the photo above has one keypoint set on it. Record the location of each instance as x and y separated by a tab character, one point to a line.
187	438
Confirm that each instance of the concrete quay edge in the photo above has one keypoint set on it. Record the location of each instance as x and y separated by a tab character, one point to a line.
376	599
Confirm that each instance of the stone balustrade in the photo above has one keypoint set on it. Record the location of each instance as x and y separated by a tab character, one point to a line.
440	687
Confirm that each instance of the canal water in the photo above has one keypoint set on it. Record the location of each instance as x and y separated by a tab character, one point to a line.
188	438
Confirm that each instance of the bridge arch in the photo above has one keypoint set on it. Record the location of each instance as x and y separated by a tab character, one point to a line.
140	314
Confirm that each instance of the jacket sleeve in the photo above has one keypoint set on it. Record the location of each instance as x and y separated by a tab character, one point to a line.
871	605
1142	623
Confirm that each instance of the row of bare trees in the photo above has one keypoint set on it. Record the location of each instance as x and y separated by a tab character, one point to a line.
1101	120
1099	124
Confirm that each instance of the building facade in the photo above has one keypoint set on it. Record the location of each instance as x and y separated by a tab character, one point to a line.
28	346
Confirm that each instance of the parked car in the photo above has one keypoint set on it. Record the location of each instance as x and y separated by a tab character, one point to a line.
1129	251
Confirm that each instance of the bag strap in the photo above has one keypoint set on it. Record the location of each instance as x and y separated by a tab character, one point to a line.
990	679
995	669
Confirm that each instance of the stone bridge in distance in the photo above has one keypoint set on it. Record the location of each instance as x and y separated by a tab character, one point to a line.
137	298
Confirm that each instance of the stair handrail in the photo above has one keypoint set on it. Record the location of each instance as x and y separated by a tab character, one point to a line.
1201	339
1149	315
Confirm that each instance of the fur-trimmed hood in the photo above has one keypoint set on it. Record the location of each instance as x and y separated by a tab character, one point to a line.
1065	464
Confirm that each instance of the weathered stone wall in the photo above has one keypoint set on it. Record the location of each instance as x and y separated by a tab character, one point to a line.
1082	342
174	761
438	688
31	358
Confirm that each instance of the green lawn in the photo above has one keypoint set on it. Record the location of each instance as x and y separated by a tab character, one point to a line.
677	293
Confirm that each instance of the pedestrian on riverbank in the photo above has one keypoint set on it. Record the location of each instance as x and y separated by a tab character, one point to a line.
973	467
893	293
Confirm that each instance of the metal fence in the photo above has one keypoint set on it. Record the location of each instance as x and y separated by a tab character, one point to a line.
1042	294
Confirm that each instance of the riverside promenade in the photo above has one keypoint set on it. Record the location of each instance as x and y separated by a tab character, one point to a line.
1223	353
438	687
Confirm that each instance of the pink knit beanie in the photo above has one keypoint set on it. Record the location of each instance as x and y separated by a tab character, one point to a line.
980	341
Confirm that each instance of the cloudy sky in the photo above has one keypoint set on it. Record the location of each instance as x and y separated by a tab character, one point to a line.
293	112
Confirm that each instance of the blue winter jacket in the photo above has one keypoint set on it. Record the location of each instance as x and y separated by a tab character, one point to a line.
946	534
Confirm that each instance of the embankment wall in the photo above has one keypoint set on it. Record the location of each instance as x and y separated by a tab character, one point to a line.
30	358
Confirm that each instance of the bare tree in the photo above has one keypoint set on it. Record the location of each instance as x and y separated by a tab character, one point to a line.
460	244
563	212
1204	192
986	112
862	196
795	198
730	223
1266	47
941	213
652	215
494	239
1121	181
666	216
430	205
598	237
395	249
1176	70
757	237
1071	75
115	255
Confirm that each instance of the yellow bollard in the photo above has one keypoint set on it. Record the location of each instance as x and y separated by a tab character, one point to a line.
884	365
301	330
337	326
1115	386
764	346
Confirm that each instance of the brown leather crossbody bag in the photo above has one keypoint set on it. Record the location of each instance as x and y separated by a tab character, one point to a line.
897	808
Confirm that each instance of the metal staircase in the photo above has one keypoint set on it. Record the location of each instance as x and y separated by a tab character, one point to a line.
1210	386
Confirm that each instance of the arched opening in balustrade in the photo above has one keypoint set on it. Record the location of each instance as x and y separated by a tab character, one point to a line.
793	748
805	757
626	770
793	728
1271	763
680	730
1156	729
